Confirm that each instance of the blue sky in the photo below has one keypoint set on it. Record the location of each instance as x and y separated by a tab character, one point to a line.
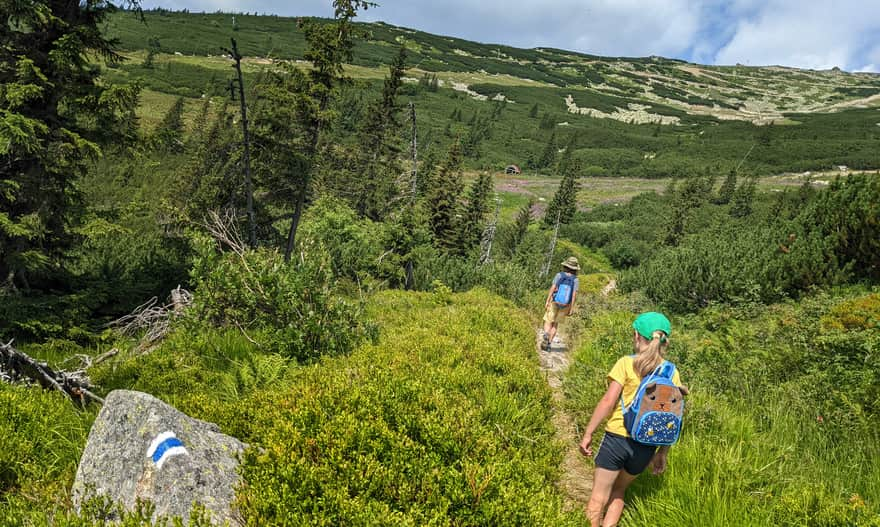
816	34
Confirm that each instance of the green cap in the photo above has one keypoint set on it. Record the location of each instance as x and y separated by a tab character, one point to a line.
647	323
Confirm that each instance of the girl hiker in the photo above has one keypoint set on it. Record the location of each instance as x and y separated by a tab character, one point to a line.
621	458
560	299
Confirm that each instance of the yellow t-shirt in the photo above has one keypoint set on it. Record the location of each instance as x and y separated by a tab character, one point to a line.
624	373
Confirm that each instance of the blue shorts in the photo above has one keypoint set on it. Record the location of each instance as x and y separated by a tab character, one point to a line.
624	453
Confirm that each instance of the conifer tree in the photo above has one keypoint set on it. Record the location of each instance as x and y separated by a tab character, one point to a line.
295	112
480	129
725	193
691	193
379	146
533	111
54	118
210	184
200	123
169	133
564	203
475	210
520	228
548	155
153	48
566	162
443	200
741	203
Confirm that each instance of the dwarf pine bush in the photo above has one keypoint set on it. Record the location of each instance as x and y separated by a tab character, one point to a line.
289	307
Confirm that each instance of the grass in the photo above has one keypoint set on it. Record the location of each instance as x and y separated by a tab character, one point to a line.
757	452
444	420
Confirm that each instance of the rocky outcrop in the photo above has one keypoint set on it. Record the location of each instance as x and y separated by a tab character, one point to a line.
140	448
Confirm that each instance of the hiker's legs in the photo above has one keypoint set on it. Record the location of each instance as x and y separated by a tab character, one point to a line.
603	483
615	503
552	332
550	316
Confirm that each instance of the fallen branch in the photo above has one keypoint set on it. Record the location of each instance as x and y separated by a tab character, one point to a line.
154	320
16	366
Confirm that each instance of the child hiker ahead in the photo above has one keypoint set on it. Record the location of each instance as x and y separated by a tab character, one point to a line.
560	299
630	440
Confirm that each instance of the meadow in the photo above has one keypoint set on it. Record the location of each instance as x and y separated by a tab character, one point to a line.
382	361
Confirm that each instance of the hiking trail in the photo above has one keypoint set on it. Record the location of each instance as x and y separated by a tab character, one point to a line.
576	481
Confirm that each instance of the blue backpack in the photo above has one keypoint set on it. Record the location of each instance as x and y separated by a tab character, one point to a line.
654	415
564	289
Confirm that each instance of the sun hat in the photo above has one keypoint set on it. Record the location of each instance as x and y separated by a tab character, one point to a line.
647	323
572	263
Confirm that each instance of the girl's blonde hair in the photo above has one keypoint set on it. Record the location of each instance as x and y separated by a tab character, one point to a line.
650	355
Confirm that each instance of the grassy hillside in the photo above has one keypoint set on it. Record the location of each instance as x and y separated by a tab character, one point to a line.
444	420
630	117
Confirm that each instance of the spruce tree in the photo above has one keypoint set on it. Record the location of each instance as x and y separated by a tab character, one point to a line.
55	117
153	48
725	193
475	210
295	113
379	146
169	133
442	200
533	111
741	203
566	162
200	123
548	155
520	228
692	192
564	203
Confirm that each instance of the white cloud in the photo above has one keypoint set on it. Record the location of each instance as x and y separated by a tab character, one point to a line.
817	35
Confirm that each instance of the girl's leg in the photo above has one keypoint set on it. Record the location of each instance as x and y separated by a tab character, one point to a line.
552	332
615	504
603	483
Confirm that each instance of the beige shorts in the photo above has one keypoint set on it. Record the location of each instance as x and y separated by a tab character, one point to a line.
555	313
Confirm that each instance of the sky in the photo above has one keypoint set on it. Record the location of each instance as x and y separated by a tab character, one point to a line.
815	34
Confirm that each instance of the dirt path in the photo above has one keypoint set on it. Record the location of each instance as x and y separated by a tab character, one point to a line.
576	481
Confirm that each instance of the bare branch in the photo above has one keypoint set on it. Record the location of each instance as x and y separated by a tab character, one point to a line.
153	320
16	367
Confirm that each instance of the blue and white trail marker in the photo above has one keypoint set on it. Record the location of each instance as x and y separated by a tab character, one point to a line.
165	446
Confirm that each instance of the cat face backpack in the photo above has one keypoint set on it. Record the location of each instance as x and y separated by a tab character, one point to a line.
654	415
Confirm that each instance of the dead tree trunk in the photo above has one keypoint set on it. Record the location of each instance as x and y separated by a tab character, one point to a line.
489	235
248	183
16	366
414	148
546	268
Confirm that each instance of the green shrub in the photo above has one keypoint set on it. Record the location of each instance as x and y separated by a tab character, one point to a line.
354	244
444	421
624	253
290	308
43	437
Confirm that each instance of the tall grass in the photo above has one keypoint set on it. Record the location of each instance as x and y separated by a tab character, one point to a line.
758	447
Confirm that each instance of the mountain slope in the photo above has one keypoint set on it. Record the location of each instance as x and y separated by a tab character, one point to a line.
758	94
